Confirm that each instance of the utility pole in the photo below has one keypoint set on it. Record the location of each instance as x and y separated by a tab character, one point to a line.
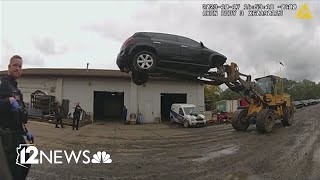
281	64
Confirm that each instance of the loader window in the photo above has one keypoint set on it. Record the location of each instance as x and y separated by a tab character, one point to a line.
265	84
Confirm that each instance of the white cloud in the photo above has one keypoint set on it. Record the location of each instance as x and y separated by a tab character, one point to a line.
48	46
59	25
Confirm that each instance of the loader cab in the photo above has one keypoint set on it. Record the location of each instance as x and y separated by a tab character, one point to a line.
266	84
271	84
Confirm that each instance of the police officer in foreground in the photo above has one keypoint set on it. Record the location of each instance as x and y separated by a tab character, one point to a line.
13	118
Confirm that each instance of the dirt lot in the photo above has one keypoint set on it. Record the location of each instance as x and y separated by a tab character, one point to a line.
164	151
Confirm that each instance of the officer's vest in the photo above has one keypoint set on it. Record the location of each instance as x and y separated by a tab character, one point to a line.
11	119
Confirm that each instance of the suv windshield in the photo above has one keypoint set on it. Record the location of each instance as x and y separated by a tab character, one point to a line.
191	110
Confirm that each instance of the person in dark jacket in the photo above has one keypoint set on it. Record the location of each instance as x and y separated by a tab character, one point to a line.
13	118
124	114
59	115
76	116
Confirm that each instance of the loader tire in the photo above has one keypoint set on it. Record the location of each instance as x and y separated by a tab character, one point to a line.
239	121
287	119
265	121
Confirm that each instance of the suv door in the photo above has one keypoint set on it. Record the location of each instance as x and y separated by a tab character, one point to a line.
192	52
167	47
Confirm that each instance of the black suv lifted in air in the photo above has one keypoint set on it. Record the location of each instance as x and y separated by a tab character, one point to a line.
147	53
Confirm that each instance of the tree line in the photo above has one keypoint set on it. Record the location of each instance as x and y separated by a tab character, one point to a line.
299	90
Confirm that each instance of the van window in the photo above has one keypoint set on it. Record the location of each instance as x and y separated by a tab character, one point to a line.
180	111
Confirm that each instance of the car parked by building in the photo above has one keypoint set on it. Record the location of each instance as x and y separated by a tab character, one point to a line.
187	114
298	104
305	102
313	101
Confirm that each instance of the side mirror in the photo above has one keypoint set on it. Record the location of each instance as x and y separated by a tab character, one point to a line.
201	45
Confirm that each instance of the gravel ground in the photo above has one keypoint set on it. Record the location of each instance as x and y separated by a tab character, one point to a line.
165	151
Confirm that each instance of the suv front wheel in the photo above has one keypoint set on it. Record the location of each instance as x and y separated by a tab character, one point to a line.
144	61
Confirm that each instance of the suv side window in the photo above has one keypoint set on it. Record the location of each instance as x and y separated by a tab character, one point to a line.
187	41
165	37
180	111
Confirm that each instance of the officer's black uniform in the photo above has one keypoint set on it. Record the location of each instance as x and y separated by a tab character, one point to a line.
124	114
59	115
76	117
12	126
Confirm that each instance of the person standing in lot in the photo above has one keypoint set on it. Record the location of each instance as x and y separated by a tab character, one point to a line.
59	115
76	116
124	114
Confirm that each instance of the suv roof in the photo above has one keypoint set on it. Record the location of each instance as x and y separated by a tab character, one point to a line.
150	34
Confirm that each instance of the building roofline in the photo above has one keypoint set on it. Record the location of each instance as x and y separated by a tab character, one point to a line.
80	73
67	72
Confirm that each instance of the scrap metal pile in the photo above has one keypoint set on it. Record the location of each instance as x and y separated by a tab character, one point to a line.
42	104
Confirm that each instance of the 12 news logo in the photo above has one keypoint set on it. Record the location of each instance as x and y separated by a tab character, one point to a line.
29	154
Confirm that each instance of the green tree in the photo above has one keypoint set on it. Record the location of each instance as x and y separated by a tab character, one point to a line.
228	94
303	90
211	95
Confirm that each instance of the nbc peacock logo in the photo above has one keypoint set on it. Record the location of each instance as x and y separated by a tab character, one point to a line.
101	157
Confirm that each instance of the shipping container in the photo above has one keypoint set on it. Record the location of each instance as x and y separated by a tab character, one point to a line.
228	106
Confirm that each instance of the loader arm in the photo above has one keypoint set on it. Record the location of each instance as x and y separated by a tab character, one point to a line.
237	82
225	74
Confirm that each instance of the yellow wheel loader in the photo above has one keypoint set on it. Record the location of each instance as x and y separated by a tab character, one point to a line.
268	104
266	97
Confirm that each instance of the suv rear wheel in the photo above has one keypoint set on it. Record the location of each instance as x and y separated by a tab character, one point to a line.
144	61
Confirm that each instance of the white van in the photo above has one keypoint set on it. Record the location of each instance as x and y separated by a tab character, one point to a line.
187	114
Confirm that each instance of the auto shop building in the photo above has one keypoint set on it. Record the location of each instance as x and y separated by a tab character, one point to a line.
104	92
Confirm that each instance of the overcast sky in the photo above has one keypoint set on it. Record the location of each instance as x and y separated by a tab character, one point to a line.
70	34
